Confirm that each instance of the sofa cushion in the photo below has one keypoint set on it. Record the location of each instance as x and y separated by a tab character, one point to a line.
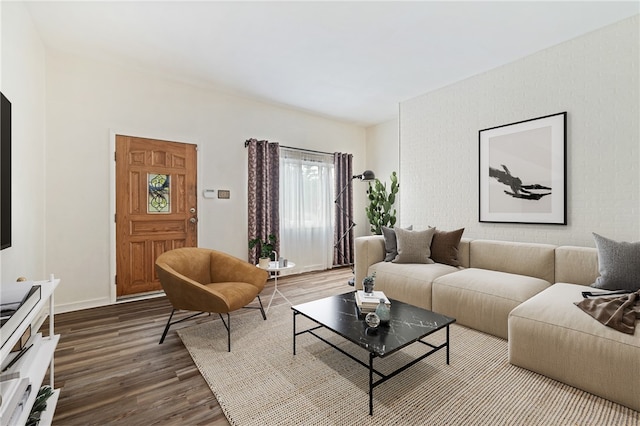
482	299
414	246
391	242
576	265
408	282
463	252
444	246
618	263
534	260
548	334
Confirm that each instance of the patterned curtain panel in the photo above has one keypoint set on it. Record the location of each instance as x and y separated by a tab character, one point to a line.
343	231
264	181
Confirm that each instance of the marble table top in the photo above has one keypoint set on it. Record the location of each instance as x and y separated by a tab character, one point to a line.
340	314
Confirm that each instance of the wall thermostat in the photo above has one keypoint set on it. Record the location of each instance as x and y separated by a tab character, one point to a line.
209	193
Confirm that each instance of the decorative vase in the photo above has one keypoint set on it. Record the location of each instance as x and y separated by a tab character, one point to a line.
264	262
383	312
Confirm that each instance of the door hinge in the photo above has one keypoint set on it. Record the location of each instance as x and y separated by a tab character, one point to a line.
115	156
115	279
115	218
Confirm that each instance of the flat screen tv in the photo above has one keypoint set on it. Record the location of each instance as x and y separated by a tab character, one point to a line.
5	172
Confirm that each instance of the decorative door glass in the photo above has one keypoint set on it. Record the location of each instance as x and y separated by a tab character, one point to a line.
159	198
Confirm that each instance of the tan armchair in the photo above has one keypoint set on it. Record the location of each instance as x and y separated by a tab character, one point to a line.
205	280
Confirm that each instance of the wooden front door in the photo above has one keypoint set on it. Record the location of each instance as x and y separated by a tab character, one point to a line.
156	207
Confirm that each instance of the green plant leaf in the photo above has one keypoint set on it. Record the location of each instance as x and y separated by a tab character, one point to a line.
381	201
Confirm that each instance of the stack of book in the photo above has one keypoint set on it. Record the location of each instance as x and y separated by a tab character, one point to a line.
368	302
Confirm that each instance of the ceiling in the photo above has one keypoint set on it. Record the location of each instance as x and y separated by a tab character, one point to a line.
353	61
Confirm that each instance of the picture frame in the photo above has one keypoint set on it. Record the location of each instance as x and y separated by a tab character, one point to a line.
522	171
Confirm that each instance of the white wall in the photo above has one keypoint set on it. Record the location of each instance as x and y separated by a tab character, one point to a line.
22	82
383	157
86	100
594	78
382	149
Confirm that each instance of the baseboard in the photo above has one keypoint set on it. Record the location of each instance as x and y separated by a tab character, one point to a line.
85	304
104	301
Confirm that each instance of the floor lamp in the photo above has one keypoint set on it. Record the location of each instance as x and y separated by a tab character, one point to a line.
366	176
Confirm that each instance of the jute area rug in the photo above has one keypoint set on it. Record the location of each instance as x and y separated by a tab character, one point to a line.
261	382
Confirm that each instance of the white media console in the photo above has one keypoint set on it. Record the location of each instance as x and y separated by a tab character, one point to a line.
33	365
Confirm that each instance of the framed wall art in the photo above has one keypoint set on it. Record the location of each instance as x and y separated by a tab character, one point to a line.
522	173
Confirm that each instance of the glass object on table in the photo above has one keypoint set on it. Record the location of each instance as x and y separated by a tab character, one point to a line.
384	312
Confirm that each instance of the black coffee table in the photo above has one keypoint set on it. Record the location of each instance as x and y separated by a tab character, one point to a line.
409	324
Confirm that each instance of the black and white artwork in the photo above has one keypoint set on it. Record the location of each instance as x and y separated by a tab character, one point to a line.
522	171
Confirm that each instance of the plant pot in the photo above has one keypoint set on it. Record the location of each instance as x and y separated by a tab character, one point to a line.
264	262
367	285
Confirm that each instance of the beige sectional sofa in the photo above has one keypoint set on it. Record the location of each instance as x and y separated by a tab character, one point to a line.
523	292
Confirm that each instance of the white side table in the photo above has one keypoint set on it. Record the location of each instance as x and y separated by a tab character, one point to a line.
274	267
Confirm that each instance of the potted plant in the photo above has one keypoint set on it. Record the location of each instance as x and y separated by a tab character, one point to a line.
266	248
368	283
379	209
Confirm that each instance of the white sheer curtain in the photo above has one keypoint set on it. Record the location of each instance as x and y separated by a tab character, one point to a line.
306	209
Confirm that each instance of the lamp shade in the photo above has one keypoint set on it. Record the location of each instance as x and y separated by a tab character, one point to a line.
366	175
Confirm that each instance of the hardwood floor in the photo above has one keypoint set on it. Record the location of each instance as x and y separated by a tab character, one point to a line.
111	369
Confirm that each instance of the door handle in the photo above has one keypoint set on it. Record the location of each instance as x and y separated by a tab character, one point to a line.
193	220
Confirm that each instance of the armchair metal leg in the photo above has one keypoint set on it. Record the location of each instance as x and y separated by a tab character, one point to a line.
264	316
166	329
169	323
227	325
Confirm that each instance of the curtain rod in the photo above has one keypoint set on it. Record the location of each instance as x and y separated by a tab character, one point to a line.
306	150
246	143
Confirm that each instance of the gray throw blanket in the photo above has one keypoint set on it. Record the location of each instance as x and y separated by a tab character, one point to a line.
619	313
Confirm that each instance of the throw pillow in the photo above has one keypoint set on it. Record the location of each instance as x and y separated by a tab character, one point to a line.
618	263
391	242
444	247
414	246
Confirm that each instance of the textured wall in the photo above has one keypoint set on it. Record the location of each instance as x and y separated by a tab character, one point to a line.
594	78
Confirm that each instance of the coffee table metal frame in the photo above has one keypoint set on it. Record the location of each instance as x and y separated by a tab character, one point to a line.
372	353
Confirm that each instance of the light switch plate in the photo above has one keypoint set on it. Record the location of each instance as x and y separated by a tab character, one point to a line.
224	194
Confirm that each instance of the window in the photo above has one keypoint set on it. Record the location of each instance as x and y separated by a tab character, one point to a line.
306	208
